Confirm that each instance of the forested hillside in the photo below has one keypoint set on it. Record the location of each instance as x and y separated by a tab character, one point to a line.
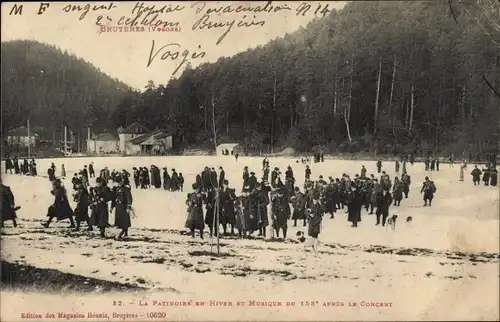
54	89
375	75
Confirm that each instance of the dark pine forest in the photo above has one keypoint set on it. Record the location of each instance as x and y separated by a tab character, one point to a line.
385	76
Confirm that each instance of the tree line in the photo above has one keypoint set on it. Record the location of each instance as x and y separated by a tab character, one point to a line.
390	77
55	89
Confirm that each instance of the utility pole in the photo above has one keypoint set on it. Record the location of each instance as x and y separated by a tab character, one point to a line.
29	139
217	205
65	139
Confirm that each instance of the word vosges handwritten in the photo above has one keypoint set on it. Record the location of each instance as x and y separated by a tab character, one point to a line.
172	52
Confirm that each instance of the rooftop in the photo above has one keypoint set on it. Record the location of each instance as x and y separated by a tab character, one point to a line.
155	135
105	137
227	145
21	132
130	129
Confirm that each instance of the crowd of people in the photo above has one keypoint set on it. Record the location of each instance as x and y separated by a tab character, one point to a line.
214	203
24	167
144	178
111	192
490	175
272	199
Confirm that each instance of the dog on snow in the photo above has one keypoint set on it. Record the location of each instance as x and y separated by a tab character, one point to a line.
392	222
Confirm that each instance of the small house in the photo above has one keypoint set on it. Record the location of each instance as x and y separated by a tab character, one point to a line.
156	142
20	137
103	143
125	135
229	149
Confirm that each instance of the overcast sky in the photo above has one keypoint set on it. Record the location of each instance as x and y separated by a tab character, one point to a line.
125	55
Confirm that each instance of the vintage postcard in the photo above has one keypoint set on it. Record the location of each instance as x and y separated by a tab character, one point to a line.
250	161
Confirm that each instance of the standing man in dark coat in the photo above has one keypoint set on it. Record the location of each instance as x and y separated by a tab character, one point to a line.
289	173
379	166
181	182
227	211
210	219
16	165
476	176
136	177
25	167
205	177
91	170
299	207
122	202
428	188
157	176
195	211
397	191
354	205
265	175
252	181
8	165
315	217
166	179
51	174
281	213
126	177
199	182
262	200
274	177
486	176
85	175
222	177
175	180
406	180
383	205
213	179
363	172
60	209
493	176
153	177
100	212
82	199
8	210
307	173
245	176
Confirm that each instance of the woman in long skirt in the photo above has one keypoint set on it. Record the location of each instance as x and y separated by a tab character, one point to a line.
82	199
195	212
63	171
210	219
100	211
60	209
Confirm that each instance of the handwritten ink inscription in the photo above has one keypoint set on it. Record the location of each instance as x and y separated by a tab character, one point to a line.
85	9
173	52
144	16
249	19
16	10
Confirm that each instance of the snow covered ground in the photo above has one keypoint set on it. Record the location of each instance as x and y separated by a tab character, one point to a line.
445	266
